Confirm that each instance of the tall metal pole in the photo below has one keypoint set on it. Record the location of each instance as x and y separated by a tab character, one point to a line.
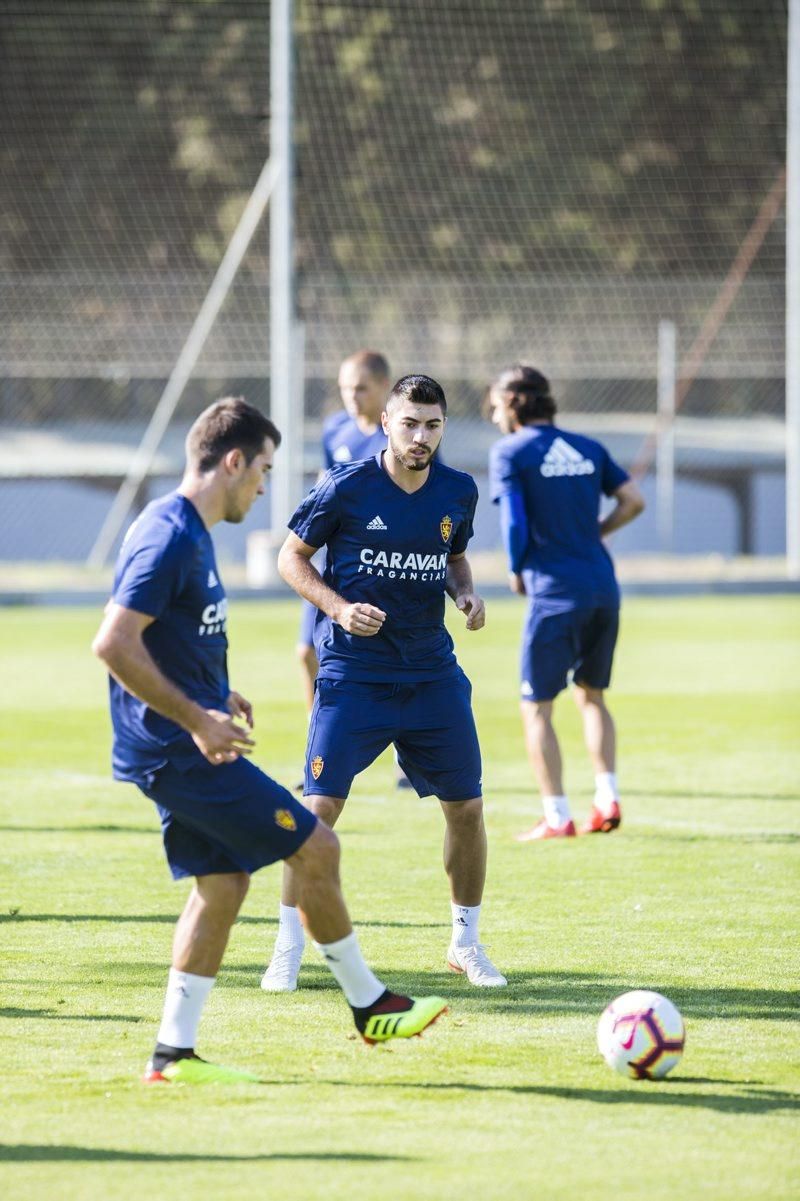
284	488
665	455
793	295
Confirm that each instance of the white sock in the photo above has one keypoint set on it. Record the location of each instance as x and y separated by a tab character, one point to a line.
606	790
465	924
290	928
356	981
556	810
183	1005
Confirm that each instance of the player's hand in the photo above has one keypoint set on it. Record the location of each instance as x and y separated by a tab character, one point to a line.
472	606
516	583
239	706
361	619
220	739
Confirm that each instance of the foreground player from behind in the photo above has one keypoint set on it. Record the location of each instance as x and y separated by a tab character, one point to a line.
396	528
549	483
181	734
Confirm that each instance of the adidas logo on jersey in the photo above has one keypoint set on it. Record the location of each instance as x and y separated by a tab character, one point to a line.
212	580
563	459
377	523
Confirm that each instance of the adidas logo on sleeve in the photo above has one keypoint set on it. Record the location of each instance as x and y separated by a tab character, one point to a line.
563	459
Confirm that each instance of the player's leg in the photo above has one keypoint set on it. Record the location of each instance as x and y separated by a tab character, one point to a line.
199	943
548	651
345	735
309	666
379	1013
440	751
592	677
236	817
599	732
284	965
210	819
465	849
307	660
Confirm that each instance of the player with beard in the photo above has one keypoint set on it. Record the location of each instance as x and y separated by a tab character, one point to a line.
396	529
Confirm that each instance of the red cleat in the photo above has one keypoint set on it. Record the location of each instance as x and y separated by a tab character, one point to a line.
602	823
542	830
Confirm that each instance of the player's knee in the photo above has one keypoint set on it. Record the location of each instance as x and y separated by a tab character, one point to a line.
584	695
327	809
321	852
537	710
465	815
224	891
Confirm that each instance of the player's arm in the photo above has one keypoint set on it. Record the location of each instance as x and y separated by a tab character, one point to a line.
460	587
119	644
514	529
296	568
630	503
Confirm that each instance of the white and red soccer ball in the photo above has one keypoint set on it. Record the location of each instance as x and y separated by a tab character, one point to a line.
641	1034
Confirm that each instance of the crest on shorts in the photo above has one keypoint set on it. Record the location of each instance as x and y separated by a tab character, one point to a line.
446	528
285	820
317	764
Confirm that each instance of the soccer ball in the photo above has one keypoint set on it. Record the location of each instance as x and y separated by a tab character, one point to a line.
641	1034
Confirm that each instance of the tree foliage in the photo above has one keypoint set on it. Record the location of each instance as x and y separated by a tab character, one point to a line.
448	135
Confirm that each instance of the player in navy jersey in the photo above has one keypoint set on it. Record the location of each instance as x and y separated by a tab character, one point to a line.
181	734
396	528
549	483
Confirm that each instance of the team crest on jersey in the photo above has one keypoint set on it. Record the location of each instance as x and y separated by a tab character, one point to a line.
446	528
317	764
285	820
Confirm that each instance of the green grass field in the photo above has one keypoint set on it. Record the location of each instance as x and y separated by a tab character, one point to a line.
696	896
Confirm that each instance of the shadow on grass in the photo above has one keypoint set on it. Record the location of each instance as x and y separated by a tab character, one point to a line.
646	1092
56	1015
45	1153
664	834
81	829
528	992
171	918
700	794
548	993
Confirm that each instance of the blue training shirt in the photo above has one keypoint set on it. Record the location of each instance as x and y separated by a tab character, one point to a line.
344	442
388	548
166	569
558	478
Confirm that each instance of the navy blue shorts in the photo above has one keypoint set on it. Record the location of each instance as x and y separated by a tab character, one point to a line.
581	641
308	615
431	725
231	818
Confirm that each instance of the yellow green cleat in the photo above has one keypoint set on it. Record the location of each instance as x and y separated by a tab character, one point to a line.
395	1016
194	1070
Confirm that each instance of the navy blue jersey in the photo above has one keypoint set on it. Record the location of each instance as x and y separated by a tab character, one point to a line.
166	569
560	478
388	548
344	442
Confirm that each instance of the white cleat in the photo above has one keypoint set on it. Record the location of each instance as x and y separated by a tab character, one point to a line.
283	970
476	965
